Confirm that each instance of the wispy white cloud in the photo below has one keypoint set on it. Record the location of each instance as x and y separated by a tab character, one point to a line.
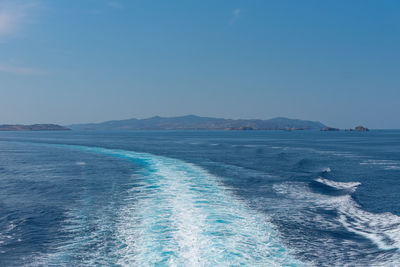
13	14
235	15
8	21
18	70
115	4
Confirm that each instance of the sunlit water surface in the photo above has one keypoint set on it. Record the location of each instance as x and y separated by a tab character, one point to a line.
205	198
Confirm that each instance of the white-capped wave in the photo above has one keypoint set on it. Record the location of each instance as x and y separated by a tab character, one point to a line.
382	229
339	185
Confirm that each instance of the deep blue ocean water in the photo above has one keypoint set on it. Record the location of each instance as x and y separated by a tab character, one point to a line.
200	198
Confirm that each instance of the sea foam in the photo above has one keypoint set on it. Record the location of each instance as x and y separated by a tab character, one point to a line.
180	215
339	185
382	229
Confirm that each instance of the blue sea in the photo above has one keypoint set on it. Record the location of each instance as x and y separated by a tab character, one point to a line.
200	198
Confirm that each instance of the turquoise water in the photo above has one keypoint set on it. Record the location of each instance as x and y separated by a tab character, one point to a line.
199	198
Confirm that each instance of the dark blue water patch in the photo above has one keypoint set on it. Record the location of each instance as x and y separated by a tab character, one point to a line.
29	229
38	189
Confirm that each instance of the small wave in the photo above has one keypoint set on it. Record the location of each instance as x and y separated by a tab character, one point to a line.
339	185
392	167
343	154
383	163
382	229
80	163
326	169
251	145
379	162
10	227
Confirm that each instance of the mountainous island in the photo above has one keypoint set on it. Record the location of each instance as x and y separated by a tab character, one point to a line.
192	122
33	127
188	122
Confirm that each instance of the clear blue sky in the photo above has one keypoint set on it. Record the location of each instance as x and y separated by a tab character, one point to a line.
81	61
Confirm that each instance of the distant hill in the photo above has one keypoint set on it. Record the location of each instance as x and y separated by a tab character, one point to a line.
192	122
33	127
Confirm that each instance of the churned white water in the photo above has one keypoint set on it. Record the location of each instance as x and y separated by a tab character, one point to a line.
178	214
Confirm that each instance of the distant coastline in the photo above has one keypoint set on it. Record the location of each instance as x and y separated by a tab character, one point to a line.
188	122
33	127
192	122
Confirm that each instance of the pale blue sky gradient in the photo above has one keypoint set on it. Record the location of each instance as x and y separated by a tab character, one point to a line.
90	60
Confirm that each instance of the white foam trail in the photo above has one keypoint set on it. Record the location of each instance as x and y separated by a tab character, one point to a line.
339	185
179	215
382	229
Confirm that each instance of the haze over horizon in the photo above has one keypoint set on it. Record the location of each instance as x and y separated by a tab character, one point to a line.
70	62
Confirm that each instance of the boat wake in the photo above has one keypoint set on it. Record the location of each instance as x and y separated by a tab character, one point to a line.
177	214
